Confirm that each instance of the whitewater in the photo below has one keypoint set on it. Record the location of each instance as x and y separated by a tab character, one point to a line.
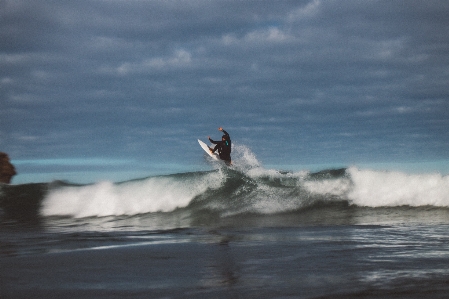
247	187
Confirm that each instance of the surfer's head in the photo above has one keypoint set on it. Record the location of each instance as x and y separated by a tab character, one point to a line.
224	137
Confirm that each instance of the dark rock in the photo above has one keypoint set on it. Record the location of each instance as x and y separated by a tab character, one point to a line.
7	170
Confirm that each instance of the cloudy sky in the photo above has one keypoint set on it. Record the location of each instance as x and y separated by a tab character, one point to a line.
115	89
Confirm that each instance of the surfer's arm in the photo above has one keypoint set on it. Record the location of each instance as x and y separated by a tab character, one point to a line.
226	133
214	142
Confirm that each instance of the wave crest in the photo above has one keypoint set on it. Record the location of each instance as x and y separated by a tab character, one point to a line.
154	194
387	189
247	187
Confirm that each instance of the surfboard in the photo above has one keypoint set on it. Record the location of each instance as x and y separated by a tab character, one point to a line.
206	149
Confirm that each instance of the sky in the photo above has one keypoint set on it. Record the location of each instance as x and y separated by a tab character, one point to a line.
121	89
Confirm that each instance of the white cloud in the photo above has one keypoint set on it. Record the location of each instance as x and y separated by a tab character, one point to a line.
271	35
106	43
308	11
14	58
6	81
258	37
179	59
402	109
25	98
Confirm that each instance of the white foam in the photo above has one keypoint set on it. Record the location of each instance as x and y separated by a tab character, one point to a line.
157	194
329	187
368	188
380	189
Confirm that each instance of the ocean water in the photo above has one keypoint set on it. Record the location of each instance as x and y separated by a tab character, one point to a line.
238	232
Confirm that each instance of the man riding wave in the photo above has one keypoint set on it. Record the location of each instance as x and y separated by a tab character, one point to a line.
223	147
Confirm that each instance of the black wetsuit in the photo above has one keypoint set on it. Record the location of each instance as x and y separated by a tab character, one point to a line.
223	147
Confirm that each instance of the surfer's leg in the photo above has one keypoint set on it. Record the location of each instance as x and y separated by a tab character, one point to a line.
214	149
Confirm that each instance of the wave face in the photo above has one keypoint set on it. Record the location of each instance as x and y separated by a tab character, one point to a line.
244	188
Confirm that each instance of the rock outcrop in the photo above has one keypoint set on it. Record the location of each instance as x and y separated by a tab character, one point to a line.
7	170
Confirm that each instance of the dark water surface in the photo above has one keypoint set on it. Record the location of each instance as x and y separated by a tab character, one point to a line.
229	234
262	259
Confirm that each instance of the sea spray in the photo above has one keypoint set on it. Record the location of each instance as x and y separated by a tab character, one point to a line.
243	159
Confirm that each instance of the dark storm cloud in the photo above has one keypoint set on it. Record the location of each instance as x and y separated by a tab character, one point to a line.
316	80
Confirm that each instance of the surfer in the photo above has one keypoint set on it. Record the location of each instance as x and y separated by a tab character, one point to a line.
223	147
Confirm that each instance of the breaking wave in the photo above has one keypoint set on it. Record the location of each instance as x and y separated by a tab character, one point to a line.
246	187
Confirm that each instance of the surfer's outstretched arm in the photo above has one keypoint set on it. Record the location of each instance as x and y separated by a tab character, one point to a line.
224	132
214	142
